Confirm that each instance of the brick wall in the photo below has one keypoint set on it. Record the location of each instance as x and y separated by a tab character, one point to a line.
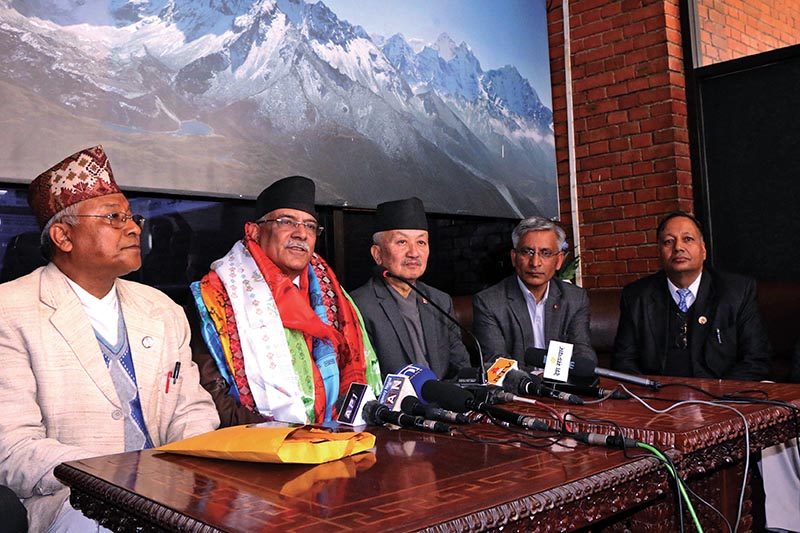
631	139
730	29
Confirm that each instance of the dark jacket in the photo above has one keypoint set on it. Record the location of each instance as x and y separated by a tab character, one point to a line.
231	412
389	336
502	324
726	340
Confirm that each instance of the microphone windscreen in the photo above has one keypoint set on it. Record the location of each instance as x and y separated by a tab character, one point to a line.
584	366
411	405
446	395
515	380
535	357
369	413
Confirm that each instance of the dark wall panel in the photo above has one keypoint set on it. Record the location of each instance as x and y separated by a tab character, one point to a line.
750	113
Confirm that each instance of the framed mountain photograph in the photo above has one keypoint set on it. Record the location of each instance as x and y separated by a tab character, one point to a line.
448	100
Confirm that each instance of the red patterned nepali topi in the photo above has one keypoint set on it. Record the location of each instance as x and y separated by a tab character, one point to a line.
83	175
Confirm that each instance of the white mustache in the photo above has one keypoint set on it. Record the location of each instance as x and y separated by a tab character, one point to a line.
294	243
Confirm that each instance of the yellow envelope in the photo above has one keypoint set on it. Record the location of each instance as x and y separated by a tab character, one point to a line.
274	444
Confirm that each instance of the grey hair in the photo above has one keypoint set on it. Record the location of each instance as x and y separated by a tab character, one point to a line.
377	238
538	224
66	215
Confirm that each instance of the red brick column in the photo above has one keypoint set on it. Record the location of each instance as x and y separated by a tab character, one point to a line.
631	139
730	29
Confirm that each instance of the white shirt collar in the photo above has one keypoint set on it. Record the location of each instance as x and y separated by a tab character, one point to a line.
693	289
103	312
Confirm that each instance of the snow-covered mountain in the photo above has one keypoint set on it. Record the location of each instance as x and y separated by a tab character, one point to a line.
269	87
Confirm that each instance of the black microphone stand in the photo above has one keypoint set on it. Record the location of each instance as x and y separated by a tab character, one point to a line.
482	377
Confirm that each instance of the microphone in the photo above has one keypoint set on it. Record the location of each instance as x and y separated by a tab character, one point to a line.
583	367
412	406
629	378
525	384
578	366
491	394
596	439
382	273
595	392
377	414
457	399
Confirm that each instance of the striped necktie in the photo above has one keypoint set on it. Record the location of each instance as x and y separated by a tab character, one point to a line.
682	294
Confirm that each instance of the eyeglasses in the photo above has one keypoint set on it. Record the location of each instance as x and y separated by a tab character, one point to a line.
544	253
118	220
287	223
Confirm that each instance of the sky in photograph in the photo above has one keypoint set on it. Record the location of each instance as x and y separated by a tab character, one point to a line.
500	32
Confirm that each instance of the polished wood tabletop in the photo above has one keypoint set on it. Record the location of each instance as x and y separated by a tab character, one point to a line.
416	481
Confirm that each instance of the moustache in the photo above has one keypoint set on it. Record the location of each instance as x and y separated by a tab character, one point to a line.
294	243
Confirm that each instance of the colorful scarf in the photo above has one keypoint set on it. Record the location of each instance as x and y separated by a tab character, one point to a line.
286	359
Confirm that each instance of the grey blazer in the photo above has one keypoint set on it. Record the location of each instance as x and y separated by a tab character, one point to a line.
502	324
389	336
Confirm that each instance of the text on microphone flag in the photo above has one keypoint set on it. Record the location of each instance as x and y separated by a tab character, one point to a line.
559	355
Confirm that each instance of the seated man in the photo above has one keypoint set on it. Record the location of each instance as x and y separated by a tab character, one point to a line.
687	320
87	357
403	326
284	338
531	307
690	320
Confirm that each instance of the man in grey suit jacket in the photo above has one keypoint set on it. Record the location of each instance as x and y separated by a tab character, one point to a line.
91	364
530	308
402	325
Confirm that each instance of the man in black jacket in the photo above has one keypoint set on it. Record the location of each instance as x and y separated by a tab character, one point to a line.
687	320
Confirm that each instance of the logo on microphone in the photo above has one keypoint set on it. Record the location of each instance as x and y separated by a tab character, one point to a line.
559	355
497	372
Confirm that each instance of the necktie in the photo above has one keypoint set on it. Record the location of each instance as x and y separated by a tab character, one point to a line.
682	294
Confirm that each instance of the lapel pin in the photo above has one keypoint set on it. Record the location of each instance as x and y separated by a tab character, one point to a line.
702	320
147	342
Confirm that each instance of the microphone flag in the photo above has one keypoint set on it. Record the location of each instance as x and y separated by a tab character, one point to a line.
395	388
496	373
559	355
417	375
352	410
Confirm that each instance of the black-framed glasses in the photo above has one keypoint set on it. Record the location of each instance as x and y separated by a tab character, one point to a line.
118	220
287	223
544	253
682	340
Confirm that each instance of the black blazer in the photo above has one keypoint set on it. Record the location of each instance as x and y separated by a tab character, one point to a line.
389	336
727	338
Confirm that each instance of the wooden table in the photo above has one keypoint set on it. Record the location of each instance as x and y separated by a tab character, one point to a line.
418	481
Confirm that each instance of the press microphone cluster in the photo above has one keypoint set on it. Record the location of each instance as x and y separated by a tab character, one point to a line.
526	384
457	399
377	414
381	273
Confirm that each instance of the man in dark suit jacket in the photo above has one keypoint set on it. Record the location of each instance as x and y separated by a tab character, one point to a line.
716	333
531	307
402	325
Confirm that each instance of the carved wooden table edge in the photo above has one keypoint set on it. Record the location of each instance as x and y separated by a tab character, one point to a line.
120	510
564	508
